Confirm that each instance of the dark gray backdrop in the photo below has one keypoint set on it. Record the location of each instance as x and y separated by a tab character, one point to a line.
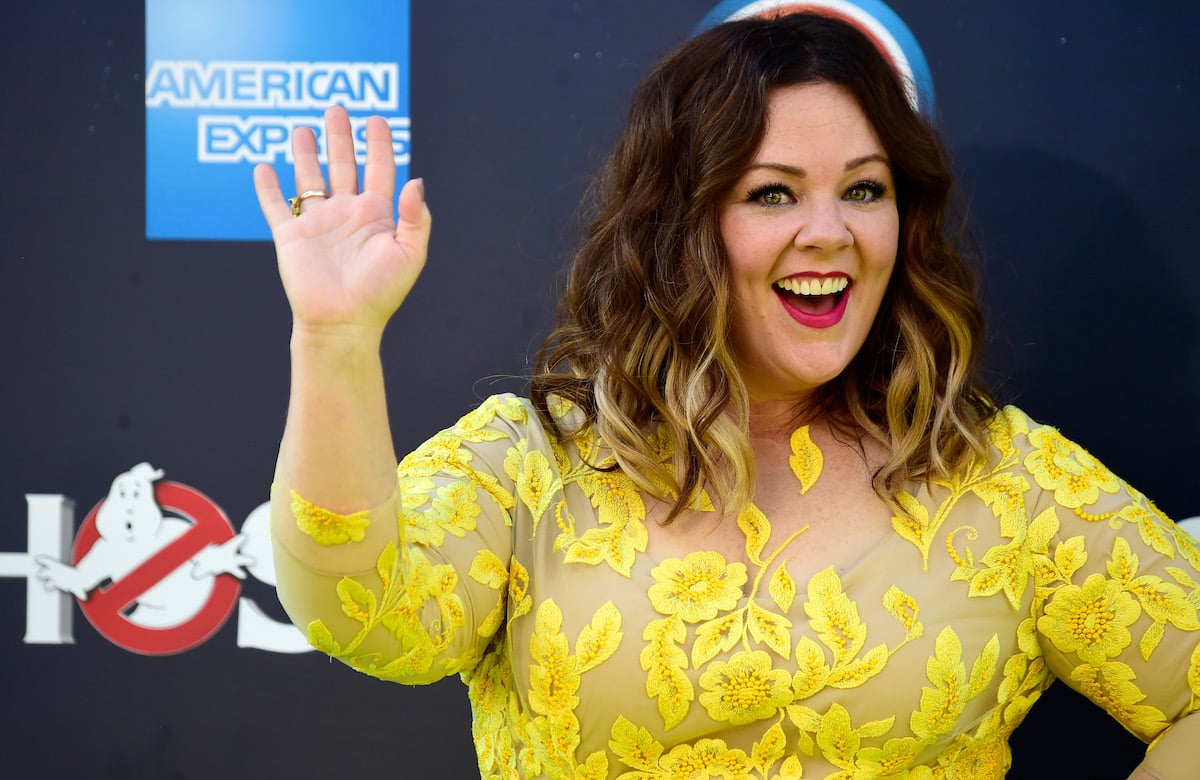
1073	128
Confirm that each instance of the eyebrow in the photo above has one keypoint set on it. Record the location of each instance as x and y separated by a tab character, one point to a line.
856	162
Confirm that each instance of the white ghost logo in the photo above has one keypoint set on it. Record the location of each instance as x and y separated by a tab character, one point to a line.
132	530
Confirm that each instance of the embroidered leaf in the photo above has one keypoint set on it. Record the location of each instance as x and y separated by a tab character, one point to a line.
321	638
803	718
598	641
984	667
536	485
1154	533
488	569
857	672
1018	423
615	545
806	459
1164	602
876	728
1009	569
770	748
837	740
771	629
1151	638
358	603
811	671
1124	563
665	662
941	704
454	510
914	525
634	746
1069	556
757	531
415	491
807	721
834	616
387	566
904	608
519	600
614	495
1042	530
492	620
417	661
553	676
490	485
620	512
1182	577
790	769
594	768
325	527
782	588
1004	494
579	551
718	635
1193	673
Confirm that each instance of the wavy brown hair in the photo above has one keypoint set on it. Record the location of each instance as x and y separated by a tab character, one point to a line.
643	333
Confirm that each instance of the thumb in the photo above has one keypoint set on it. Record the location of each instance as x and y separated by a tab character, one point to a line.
413	221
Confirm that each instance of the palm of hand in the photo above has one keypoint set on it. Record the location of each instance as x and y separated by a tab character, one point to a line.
346	261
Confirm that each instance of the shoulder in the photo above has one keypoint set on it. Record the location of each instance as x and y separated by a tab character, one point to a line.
1056	464
492	430
509	411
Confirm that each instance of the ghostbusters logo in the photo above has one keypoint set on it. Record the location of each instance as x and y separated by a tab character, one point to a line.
165	590
156	567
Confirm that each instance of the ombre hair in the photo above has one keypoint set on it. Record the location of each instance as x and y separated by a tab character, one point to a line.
644	321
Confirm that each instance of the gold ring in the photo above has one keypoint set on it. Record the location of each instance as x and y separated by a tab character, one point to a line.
296	201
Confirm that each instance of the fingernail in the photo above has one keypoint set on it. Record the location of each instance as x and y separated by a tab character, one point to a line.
420	186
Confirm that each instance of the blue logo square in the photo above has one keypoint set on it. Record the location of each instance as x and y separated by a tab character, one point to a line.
226	83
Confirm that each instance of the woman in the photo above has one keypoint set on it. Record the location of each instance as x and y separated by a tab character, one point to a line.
759	517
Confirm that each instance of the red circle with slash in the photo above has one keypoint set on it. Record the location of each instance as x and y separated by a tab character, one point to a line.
105	605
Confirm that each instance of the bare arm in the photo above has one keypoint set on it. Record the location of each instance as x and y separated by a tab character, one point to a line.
347	263
1176	754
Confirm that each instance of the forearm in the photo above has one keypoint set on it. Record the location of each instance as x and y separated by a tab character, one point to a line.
336	454
1175	755
337	447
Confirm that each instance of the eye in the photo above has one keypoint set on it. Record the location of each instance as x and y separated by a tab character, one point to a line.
771	195
865	191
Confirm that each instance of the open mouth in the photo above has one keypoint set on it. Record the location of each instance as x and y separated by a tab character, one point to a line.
818	297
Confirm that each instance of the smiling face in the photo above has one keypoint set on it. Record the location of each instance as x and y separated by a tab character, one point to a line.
810	231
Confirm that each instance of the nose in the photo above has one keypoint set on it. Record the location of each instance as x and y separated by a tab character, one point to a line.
822	226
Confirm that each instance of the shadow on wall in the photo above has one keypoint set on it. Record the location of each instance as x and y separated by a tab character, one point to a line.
1091	331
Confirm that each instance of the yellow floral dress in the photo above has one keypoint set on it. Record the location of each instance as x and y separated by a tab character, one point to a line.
507	559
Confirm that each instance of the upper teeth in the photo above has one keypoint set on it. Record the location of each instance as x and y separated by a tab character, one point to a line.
807	286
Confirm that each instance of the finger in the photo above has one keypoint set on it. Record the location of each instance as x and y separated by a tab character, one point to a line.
379	174
270	198
339	150
415	221
308	167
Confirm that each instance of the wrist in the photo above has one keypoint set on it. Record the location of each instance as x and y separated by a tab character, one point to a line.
338	341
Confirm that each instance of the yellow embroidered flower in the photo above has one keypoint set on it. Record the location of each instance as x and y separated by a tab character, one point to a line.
325	527
1090	621
1066	468
708	758
746	689
697	587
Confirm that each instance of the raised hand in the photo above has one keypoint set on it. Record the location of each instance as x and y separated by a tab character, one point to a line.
347	262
